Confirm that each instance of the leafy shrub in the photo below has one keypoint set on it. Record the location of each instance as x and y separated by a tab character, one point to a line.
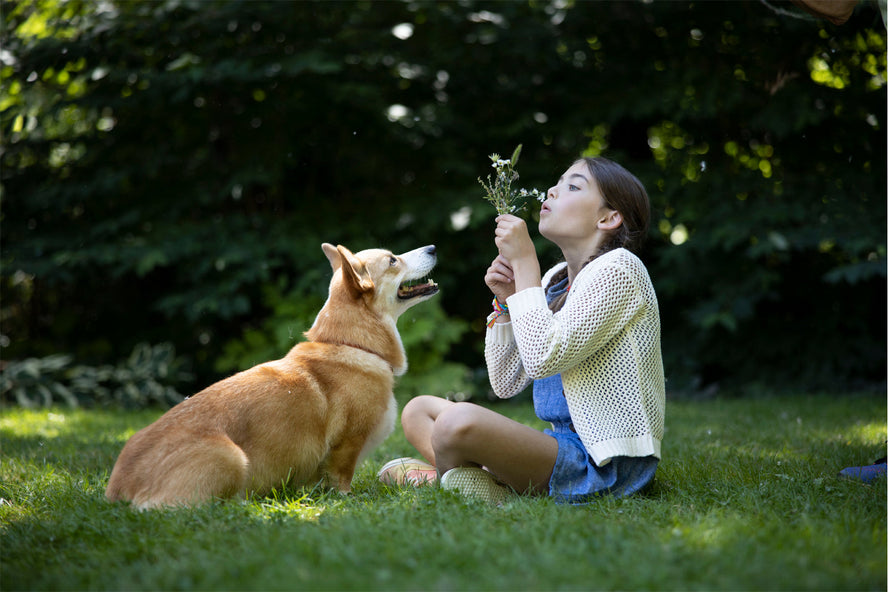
174	149
426	332
147	377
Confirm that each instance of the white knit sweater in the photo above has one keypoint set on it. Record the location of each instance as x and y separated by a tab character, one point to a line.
605	342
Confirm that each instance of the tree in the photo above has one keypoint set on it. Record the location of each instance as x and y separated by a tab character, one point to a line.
171	169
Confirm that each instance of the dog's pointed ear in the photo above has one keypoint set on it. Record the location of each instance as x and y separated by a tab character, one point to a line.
354	273
332	255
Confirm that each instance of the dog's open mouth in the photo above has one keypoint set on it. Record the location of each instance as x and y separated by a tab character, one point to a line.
418	287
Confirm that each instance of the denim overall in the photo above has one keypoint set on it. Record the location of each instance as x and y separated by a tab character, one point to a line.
576	479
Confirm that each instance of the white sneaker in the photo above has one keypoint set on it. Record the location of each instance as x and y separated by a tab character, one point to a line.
478	483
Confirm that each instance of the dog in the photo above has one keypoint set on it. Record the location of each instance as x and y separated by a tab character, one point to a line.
307	418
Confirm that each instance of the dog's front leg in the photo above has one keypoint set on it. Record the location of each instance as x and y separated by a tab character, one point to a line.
341	465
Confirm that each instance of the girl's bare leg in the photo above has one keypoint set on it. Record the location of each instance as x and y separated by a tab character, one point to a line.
451	434
418	420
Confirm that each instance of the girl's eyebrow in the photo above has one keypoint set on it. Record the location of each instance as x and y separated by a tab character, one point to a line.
561	178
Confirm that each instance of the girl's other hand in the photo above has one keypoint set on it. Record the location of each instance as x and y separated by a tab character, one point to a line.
500	278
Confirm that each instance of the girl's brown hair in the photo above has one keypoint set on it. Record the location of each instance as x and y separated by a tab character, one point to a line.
623	192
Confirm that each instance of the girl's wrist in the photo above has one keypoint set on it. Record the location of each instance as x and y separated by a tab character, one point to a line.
527	273
500	309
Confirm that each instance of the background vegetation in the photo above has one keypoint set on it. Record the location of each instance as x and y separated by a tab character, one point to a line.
169	170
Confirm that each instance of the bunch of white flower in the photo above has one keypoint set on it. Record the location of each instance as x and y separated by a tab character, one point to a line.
499	190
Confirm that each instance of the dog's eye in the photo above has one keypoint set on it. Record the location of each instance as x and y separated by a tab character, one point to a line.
393	261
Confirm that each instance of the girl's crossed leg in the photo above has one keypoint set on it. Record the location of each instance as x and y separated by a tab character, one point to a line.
453	435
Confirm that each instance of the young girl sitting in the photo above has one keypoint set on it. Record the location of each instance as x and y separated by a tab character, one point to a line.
587	334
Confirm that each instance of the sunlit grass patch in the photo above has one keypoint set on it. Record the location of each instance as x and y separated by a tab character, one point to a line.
281	505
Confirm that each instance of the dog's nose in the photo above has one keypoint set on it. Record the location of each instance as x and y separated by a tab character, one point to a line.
431	250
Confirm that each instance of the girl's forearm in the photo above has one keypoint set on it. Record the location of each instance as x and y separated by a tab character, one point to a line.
527	273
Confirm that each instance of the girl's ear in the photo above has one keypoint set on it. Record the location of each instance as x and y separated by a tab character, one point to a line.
611	221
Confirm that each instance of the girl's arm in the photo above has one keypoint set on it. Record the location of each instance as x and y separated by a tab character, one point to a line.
507	377
504	368
515	268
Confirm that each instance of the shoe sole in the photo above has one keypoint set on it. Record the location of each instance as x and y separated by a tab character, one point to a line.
476	483
408	464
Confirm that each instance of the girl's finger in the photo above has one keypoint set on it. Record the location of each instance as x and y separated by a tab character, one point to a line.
500	268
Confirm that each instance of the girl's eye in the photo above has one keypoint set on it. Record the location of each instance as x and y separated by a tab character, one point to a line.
573	188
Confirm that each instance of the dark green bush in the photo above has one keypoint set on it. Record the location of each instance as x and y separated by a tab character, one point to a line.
182	159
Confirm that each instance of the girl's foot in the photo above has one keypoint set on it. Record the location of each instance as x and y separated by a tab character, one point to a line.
407	471
477	483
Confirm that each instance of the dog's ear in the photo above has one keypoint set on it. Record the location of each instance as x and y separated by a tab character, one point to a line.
332	255
354	273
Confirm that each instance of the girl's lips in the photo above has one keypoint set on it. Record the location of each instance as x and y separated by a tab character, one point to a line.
545	209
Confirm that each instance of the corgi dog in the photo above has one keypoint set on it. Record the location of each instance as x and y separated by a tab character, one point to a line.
309	417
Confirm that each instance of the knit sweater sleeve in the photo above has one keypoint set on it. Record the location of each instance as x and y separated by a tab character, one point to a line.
604	297
504	367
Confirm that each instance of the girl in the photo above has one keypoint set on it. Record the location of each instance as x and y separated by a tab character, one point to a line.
587	334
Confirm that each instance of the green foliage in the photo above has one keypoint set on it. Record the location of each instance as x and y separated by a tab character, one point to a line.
147	378
291	315
426	332
428	335
747	497
179	158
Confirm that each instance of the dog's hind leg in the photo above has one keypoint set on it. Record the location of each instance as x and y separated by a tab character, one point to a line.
213	467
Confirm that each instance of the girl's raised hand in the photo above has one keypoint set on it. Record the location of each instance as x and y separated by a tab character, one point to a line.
512	238
516	248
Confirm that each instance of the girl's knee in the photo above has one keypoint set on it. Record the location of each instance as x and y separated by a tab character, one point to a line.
421	408
455	425
418	403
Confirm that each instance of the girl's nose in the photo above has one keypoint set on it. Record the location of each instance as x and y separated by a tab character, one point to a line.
551	193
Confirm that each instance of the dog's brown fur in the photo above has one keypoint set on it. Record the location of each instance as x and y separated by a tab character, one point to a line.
308	416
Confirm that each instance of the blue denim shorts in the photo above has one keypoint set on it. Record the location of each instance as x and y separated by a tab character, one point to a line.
576	479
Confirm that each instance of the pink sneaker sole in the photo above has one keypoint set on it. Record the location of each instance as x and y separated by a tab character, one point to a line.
407	471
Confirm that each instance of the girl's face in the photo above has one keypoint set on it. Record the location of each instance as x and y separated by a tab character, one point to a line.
574	209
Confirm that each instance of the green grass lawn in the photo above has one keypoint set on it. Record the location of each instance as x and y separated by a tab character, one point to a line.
746	498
